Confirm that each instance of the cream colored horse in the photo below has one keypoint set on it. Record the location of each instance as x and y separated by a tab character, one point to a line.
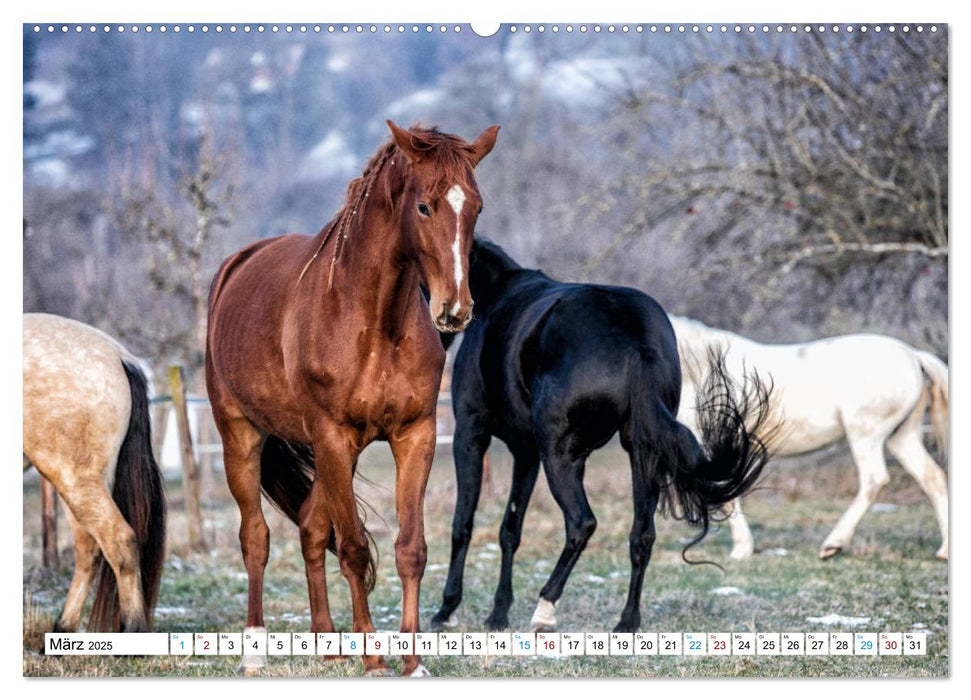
86	418
870	390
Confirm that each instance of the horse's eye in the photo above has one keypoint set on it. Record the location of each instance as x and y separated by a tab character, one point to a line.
423	209
479	212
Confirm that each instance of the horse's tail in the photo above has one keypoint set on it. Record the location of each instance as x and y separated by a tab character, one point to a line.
936	372
697	479
139	494
286	475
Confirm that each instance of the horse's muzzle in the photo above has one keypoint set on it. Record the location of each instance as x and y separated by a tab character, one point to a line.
454	319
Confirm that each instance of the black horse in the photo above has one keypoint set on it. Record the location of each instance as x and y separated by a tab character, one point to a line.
554	370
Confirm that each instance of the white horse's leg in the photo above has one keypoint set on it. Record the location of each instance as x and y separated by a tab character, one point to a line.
906	445
872	470
744	545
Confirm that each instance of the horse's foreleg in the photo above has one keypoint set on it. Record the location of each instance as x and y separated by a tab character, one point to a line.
565	479
315	531
873	476
743	544
413	452
906	445
468	449
242	446
334	455
86	558
524	472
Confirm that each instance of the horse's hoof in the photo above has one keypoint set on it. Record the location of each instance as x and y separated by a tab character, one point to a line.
379	673
420	672
942	556
439	623
829	552
738	554
544	617
252	664
495	624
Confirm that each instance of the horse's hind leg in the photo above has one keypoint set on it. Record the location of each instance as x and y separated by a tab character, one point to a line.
906	445
334	453
872	471
524	472
86	558
743	544
315	531
565	479
96	512
48	499
642	536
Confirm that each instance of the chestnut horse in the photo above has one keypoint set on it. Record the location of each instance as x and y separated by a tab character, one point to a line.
86	413
308	361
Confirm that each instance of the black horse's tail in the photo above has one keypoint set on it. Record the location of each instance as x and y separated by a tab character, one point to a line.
139	494
698	479
286	476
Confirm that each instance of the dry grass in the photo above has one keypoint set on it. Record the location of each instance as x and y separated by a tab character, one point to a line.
890	575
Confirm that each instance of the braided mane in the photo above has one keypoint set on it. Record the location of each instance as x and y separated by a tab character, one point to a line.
452	156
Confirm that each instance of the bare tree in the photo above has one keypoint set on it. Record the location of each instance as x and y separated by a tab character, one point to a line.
810	167
180	232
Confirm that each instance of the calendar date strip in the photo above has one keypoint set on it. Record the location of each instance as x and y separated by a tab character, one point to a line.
553	644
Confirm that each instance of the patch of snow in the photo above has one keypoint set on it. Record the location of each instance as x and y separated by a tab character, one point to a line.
338	63
884	508
415	104
834	619
331	157
46	93
165	610
726	590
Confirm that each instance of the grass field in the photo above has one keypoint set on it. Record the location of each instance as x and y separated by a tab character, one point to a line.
889	575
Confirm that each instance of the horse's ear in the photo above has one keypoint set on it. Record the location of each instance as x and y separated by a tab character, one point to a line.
403	140
484	144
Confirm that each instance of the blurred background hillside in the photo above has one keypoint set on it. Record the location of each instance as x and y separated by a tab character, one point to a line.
784	185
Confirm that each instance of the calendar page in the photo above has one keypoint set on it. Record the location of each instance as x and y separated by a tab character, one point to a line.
516	350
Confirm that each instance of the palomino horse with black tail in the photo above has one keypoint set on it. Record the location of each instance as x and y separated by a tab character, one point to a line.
86	413
870	390
320	345
555	370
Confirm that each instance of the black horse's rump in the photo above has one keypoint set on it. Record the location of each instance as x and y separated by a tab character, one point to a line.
555	370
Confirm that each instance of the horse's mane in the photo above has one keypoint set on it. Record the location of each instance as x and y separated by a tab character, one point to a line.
452	156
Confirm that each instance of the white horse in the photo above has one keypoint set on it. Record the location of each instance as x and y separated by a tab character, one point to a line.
871	390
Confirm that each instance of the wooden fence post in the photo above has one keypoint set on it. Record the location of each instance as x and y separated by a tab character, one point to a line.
190	478
159	425
48	499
